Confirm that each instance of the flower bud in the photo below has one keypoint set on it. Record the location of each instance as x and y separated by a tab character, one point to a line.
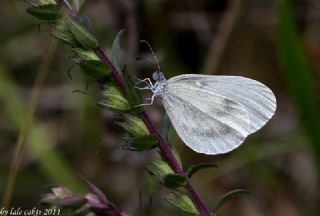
134	126
113	99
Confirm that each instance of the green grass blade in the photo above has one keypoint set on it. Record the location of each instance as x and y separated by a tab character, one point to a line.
298	75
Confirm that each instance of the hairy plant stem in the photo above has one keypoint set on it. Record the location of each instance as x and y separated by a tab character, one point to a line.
164	147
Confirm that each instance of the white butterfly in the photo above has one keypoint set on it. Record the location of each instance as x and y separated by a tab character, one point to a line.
213	114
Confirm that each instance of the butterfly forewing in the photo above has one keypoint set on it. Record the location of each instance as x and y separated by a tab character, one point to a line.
255	97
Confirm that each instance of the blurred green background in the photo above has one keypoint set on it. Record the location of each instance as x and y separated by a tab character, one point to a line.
273	41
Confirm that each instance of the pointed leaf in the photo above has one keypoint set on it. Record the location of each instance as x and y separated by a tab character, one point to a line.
84	54
228	196
195	168
95	69
47	12
82	34
117	53
95	190
165	127
132	94
40	2
63	33
144	143
164	132
183	202
175	181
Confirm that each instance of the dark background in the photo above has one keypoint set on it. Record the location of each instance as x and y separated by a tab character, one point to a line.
69	134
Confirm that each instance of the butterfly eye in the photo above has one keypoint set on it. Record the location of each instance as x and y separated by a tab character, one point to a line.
158	76
154	76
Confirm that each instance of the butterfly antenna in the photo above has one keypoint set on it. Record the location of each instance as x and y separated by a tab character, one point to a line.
145	60
153	53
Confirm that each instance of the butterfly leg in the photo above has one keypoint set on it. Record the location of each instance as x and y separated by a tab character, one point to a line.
147	104
146	81
143	88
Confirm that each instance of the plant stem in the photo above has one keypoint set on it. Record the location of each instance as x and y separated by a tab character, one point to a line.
164	147
65	5
104	58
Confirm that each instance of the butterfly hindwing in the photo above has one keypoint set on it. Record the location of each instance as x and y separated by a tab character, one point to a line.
207	122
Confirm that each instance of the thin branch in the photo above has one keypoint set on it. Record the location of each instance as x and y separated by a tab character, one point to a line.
221	40
164	147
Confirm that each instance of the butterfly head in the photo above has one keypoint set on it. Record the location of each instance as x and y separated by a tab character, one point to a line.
158	76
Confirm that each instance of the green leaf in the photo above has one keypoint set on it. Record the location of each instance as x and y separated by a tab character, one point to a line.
144	143
164	132
47	12
82	34
134	126
40	2
195	168
228	196
63	33
183	202
113	99
95	69
298	74
132	94
117	53
174	181
165	127
84	54
159	169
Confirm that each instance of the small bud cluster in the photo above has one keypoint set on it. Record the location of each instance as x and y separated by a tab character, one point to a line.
94	203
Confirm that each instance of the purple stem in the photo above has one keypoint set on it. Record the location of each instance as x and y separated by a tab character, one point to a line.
164	147
104	58
72	13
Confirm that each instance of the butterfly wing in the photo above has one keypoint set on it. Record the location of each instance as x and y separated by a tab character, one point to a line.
208	120
255	97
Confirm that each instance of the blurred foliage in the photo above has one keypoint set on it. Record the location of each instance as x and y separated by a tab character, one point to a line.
273	41
298	74
40	144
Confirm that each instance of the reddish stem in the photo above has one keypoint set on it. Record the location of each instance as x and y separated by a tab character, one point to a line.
164	147
72	13
104	58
